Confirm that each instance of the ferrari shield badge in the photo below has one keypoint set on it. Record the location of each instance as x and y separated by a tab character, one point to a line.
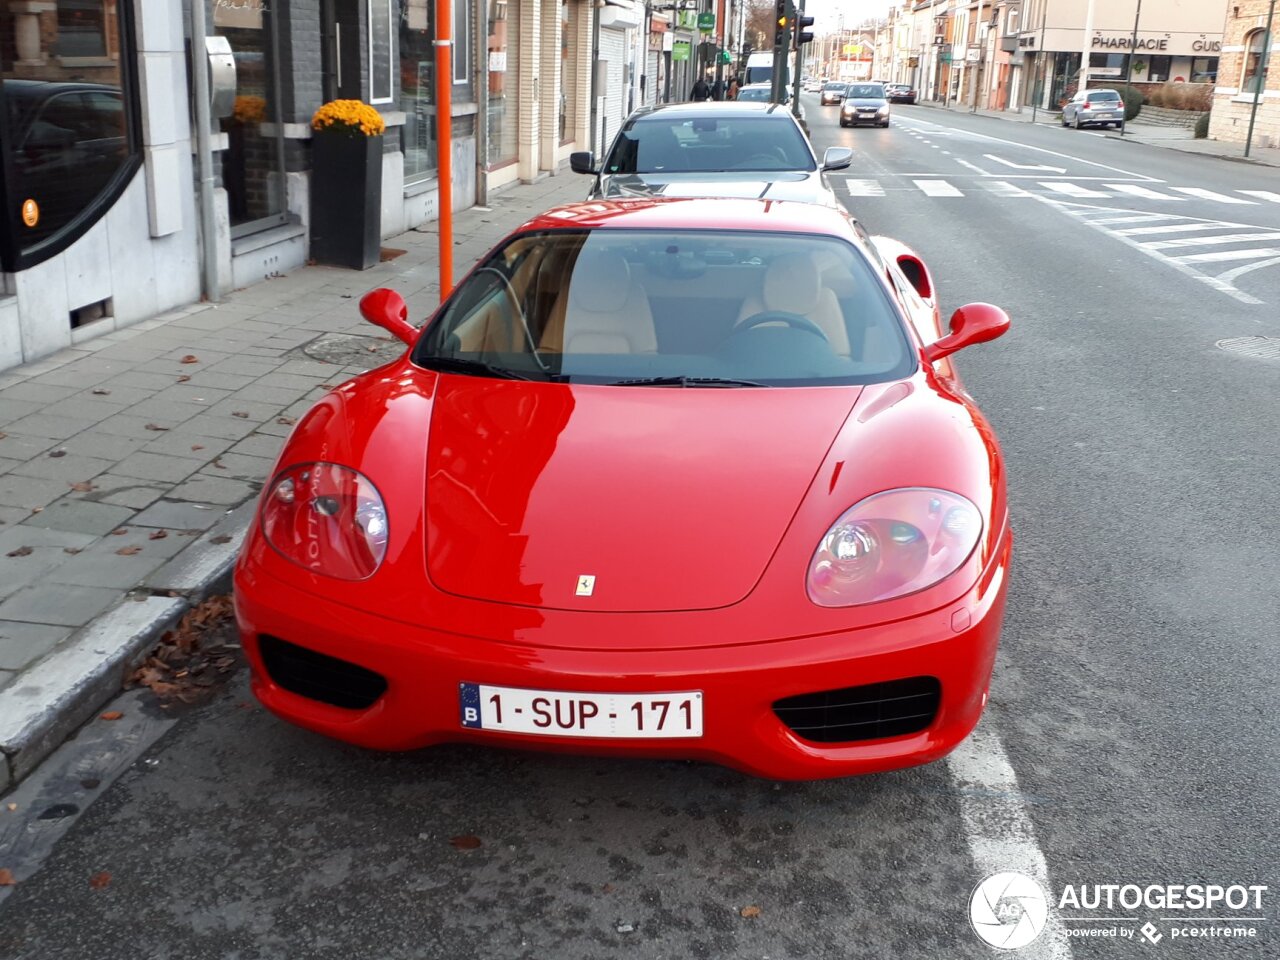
586	584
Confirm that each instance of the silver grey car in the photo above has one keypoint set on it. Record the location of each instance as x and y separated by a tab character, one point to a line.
1102	108
865	103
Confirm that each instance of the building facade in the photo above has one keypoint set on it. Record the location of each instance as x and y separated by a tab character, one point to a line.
1249	54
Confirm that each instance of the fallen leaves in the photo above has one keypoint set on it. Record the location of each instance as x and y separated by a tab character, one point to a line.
99	392
119	531
220	538
100	880
286	421
82	486
466	842
132	550
157	534
181	668
197	446
190	358
111	715
218	464
155	426
57	453
750	912
20	552
11	807
183	379
6	877
243	415
72	550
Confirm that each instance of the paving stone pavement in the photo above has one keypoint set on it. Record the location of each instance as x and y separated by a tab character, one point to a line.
120	452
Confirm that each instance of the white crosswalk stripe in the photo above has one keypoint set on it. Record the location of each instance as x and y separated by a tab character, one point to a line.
1204	194
1145	192
1262	195
865	188
1003	188
1071	189
1169	228
937	188
1206	241
1229	255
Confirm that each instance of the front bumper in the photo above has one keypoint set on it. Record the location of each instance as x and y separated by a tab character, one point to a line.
423	670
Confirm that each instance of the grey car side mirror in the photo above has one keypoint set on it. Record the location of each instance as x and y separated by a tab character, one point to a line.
837	158
582	161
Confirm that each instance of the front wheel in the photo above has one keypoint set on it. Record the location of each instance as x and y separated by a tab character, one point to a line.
1064	119
885	124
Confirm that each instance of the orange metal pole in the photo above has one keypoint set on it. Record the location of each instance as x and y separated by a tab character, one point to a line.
444	140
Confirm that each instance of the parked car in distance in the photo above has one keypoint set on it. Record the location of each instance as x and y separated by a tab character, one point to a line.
717	149
832	92
864	103
900	93
642	487
1102	108
812	84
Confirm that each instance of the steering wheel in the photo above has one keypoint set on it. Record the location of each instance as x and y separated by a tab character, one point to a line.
514	297
793	320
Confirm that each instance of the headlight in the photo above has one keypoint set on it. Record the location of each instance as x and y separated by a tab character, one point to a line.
884	109
327	518
892	544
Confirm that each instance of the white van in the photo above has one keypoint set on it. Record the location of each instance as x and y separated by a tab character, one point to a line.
760	70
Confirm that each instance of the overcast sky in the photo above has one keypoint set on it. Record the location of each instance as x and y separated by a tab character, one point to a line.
827	12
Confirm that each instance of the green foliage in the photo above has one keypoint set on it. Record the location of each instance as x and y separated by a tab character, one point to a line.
1132	101
1202	126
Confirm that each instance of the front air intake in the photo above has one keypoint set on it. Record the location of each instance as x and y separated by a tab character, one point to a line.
872	712
318	676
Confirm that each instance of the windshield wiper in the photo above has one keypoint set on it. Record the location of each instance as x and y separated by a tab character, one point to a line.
686	382
471	367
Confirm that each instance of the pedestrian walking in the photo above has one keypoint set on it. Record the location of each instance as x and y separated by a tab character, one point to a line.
700	89
732	92
718	89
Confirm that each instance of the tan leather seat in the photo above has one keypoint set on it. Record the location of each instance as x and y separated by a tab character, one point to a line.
605	310
792	284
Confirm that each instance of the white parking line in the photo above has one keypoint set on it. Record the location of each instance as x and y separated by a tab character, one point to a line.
1204	194
1000	835
937	188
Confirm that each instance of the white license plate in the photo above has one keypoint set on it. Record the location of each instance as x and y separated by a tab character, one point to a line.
559	713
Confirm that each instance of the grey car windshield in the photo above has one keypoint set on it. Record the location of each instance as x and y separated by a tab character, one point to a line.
657	307
710	144
865	91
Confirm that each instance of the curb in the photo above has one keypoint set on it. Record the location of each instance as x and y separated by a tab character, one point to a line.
66	688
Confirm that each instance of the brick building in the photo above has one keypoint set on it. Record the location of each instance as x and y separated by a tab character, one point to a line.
1245	60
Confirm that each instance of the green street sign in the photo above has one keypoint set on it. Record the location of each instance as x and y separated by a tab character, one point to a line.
724	57
679	50
706	22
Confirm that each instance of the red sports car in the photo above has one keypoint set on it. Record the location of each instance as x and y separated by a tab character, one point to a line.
665	478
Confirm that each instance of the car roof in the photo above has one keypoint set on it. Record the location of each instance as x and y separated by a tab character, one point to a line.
716	108
699	213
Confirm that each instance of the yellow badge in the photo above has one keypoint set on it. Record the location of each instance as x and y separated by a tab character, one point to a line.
30	212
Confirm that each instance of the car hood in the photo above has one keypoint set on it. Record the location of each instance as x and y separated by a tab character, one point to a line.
753	184
669	498
865	101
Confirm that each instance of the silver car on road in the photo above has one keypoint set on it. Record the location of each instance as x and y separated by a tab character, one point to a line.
1103	108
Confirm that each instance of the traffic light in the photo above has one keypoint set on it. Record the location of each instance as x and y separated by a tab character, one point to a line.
781	17
803	34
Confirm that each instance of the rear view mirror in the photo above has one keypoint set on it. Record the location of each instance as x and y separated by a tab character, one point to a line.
387	309
837	158
582	161
972	323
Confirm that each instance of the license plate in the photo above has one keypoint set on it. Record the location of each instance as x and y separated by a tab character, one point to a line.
560	713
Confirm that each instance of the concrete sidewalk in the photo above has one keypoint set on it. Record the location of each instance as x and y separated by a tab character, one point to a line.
1137	132
129	464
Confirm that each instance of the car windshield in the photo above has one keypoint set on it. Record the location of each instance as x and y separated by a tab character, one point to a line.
836	87
754	93
710	144
689	308
865	91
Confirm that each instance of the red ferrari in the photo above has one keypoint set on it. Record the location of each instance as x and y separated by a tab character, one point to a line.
663	478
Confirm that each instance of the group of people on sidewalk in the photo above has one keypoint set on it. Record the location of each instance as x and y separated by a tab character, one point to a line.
719	89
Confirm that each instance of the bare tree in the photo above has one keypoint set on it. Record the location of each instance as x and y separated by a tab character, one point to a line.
760	25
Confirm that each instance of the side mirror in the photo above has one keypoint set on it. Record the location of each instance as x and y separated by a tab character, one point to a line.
387	309
582	161
972	323
837	158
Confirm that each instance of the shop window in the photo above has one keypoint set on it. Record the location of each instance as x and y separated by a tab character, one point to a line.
1251	77
504	81
417	89
69	128
1156	70
1204	70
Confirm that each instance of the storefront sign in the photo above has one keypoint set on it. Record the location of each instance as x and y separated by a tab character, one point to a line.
1126	43
706	22
679	51
239	14
1206	46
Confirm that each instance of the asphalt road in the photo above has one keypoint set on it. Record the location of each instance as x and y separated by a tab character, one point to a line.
1131	736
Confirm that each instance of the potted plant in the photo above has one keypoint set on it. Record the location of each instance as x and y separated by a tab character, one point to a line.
346	184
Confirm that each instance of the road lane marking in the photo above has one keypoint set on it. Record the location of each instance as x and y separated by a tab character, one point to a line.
865	188
1024	166
1170	228
1206	241
1072	189
1000	834
1138	191
1229	255
1262	195
1230	275
1003	188
1135	218
972	166
937	188
1204	194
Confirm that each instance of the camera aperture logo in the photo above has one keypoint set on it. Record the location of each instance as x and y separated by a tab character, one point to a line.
1008	910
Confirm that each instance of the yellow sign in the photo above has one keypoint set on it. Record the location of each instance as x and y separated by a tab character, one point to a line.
30	212
852	49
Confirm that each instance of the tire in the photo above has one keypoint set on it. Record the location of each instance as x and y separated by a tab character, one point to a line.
1079	125
885	124
1064	118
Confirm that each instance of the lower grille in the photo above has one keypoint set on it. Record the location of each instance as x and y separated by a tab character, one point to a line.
318	676
870	712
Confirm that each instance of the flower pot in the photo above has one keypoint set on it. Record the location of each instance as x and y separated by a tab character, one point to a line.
346	199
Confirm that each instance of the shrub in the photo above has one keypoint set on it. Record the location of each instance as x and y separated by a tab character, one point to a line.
1132	101
1183	96
1202	126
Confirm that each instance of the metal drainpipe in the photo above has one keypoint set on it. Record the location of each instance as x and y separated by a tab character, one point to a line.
480	77
596	149
204	155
